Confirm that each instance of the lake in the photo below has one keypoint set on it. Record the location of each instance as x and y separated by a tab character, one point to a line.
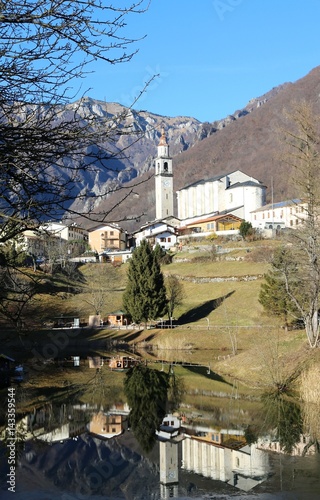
76	442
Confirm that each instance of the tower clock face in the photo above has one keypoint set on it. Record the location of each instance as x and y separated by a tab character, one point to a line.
166	183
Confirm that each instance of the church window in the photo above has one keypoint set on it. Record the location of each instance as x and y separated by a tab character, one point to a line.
166	196
231	197
165	166
169	240
158	168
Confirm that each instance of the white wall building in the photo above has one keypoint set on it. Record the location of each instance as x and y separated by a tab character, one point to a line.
280	215
236	193
54	237
157	232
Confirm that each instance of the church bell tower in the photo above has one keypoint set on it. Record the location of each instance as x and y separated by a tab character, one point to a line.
163	179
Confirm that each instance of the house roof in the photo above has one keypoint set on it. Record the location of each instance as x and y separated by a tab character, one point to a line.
279	204
219	217
157	233
117	313
101	226
153	223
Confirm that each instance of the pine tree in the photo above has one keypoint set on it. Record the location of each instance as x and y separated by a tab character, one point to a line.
273	293
145	295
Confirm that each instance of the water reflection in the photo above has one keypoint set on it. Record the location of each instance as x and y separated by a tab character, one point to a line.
71	450
82	451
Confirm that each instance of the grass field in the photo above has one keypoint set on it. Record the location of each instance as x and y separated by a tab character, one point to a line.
220	326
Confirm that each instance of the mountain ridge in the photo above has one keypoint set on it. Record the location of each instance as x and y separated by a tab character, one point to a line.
183	134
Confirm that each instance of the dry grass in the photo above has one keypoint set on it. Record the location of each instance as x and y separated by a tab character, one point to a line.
310	395
220	268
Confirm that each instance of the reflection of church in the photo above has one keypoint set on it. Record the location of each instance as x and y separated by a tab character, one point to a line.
218	455
241	466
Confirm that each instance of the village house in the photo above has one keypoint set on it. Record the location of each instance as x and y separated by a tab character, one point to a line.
280	215
157	232
107	237
106	426
117	318
218	224
54	237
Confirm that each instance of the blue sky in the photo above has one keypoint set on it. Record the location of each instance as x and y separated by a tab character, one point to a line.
212	56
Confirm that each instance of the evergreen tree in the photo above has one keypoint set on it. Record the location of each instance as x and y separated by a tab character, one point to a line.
246	230
145	295
273	293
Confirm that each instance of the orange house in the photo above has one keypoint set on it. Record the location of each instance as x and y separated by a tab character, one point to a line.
107	237
106	426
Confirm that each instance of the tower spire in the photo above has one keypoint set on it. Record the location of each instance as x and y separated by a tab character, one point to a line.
163	138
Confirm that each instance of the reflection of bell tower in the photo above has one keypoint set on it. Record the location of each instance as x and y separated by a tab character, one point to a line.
168	469
163	179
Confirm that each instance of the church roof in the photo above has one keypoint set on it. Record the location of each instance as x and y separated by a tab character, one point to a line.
246	183
204	181
249	182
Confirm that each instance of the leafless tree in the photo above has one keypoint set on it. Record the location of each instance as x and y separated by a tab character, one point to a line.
175	293
17	290
301	154
46	48
48	139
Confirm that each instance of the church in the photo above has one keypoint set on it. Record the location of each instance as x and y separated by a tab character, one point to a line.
233	193
217	205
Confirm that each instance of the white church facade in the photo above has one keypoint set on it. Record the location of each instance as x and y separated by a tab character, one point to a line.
236	193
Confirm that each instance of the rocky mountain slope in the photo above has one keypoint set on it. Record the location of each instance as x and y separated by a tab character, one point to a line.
249	144
183	134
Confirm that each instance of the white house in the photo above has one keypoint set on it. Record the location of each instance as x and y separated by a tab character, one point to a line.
54	236
280	215
235	192
157	232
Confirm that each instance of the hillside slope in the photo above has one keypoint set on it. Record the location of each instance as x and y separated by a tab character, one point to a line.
249	144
